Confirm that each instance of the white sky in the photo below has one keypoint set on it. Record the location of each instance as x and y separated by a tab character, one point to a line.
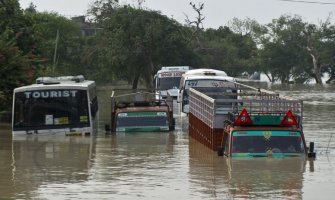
217	12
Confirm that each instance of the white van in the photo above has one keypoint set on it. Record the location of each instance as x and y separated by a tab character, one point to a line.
201	78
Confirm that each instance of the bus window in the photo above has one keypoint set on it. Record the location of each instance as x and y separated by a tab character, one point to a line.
51	108
167	83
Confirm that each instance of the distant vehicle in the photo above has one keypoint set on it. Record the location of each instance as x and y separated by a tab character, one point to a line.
141	111
255	123
201	78
167	80
57	105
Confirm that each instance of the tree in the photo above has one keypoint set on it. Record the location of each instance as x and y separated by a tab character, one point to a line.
138	41
282	54
308	45
59	41
16	68
196	25
320	42
18	61
100	10
228	51
249	27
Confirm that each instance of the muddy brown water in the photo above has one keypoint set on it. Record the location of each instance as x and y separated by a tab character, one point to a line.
167	165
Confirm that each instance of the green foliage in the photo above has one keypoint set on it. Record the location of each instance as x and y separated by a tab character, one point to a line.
297	50
10	14
102	9
132	44
223	49
137	42
283	54
15	67
18	61
62	53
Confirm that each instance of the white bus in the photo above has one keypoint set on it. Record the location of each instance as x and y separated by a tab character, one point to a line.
167	80
201	78
57	105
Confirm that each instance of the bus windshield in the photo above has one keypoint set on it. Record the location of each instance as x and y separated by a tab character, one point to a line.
51	108
167	83
142	120
205	83
267	142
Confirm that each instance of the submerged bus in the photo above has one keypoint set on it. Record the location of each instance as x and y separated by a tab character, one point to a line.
167	80
56	105
201	78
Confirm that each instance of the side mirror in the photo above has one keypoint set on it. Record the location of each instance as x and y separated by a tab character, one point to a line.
107	128
311	153
221	151
179	98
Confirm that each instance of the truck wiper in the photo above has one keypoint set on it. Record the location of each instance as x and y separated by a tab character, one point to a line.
291	155
255	156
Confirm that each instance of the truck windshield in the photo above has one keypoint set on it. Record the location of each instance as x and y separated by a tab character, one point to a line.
167	83
266	143
138	120
49	108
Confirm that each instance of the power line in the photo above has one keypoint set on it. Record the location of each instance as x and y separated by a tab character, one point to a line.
311	2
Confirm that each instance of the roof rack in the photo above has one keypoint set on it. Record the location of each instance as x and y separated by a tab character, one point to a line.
139	99
206	72
57	79
214	105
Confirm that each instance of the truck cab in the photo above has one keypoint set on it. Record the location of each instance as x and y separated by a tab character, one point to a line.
141	112
263	135
244	121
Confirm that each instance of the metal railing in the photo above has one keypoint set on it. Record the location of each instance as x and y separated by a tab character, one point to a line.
139	99
212	105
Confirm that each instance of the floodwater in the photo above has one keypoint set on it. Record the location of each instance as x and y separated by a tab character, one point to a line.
167	165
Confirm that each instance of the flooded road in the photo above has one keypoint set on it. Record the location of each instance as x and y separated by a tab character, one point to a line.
167	165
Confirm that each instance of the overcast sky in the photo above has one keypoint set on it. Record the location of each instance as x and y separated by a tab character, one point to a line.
217	12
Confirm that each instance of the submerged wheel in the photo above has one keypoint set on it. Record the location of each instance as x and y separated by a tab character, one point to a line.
220	151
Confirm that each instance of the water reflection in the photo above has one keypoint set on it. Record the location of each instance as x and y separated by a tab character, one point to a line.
7	188
120	155
261	178
166	165
43	160
131	166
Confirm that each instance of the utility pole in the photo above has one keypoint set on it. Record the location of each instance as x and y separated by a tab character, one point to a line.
55	52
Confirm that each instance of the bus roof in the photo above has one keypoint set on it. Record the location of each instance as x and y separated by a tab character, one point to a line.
223	78
44	83
205	72
173	69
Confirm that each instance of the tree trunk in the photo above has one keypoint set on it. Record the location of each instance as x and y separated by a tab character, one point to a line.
148	75
316	65
317	69
268	76
151	86
135	81
331	78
